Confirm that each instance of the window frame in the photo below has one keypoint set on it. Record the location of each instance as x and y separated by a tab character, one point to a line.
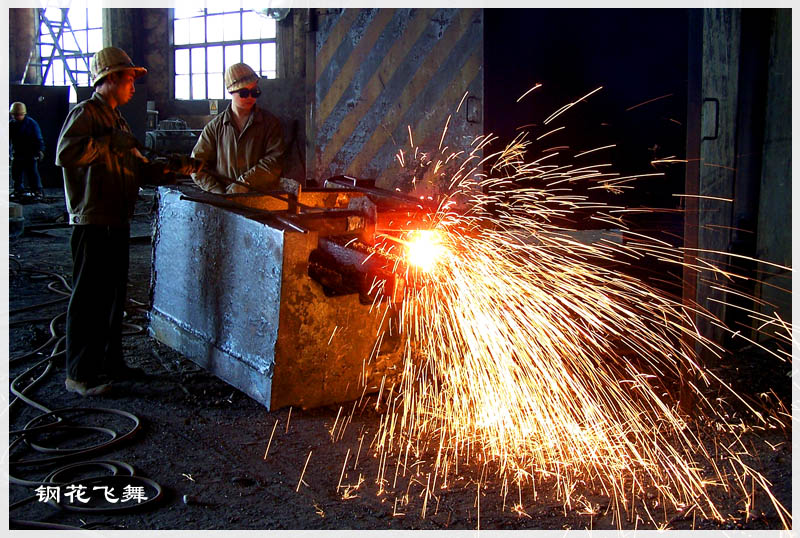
205	45
77	61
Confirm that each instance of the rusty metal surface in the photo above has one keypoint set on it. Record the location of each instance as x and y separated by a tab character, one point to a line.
325	343
344	265
231	291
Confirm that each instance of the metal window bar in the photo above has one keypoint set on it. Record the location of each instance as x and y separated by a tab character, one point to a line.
56	29
240	42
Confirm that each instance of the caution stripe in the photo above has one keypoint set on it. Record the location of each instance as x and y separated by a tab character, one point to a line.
335	39
372	77
422	77
354	62
429	130
375	86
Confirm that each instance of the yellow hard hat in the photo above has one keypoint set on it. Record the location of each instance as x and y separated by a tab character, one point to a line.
110	60
17	108
237	76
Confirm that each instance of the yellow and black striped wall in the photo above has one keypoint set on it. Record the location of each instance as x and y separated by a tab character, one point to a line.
391	82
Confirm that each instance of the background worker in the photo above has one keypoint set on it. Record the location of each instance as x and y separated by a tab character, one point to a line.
244	142
27	147
103	170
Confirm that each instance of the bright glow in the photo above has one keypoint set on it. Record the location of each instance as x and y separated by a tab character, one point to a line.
424	249
533	352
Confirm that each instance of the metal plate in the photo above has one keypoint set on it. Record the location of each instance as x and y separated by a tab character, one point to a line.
232	293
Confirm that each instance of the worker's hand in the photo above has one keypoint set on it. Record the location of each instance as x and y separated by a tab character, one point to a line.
217	190
235	188
40	157
122	141
184	165
158	171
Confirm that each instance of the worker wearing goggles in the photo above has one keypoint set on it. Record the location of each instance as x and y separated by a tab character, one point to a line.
243	143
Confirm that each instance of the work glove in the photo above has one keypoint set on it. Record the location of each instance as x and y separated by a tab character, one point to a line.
235	188
184	165
40	156
122	141
217	190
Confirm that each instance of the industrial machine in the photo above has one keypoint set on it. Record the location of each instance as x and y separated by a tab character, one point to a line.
172	135
284	294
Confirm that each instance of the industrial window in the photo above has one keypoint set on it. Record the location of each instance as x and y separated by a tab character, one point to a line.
207	41
77	45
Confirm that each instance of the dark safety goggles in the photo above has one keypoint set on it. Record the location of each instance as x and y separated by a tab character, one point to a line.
247	92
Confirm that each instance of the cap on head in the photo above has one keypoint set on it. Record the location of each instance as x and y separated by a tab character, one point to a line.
17	108
237	76
110	60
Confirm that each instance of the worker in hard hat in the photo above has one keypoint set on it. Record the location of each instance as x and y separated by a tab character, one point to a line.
103	169
26	148
243	143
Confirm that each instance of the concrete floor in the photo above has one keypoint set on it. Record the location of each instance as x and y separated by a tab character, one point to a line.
204	442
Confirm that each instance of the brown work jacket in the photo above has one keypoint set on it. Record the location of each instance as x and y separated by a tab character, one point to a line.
101	185
255	155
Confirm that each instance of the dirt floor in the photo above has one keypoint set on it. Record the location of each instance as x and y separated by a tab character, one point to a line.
204	442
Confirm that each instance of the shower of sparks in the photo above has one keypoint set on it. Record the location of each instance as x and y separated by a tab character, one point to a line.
527	350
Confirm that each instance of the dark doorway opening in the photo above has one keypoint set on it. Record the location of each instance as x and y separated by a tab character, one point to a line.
640	59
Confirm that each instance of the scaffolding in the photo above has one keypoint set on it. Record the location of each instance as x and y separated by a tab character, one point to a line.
75	61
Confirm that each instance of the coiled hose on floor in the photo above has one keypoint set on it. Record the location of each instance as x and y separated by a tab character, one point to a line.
68	425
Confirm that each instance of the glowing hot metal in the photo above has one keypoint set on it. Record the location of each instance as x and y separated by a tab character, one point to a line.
424	249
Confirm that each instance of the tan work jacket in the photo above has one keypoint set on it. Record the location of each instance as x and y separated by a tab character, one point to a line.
255	155
100	185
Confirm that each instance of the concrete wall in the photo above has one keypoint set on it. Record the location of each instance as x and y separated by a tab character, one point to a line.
156	55
774	238
21	37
